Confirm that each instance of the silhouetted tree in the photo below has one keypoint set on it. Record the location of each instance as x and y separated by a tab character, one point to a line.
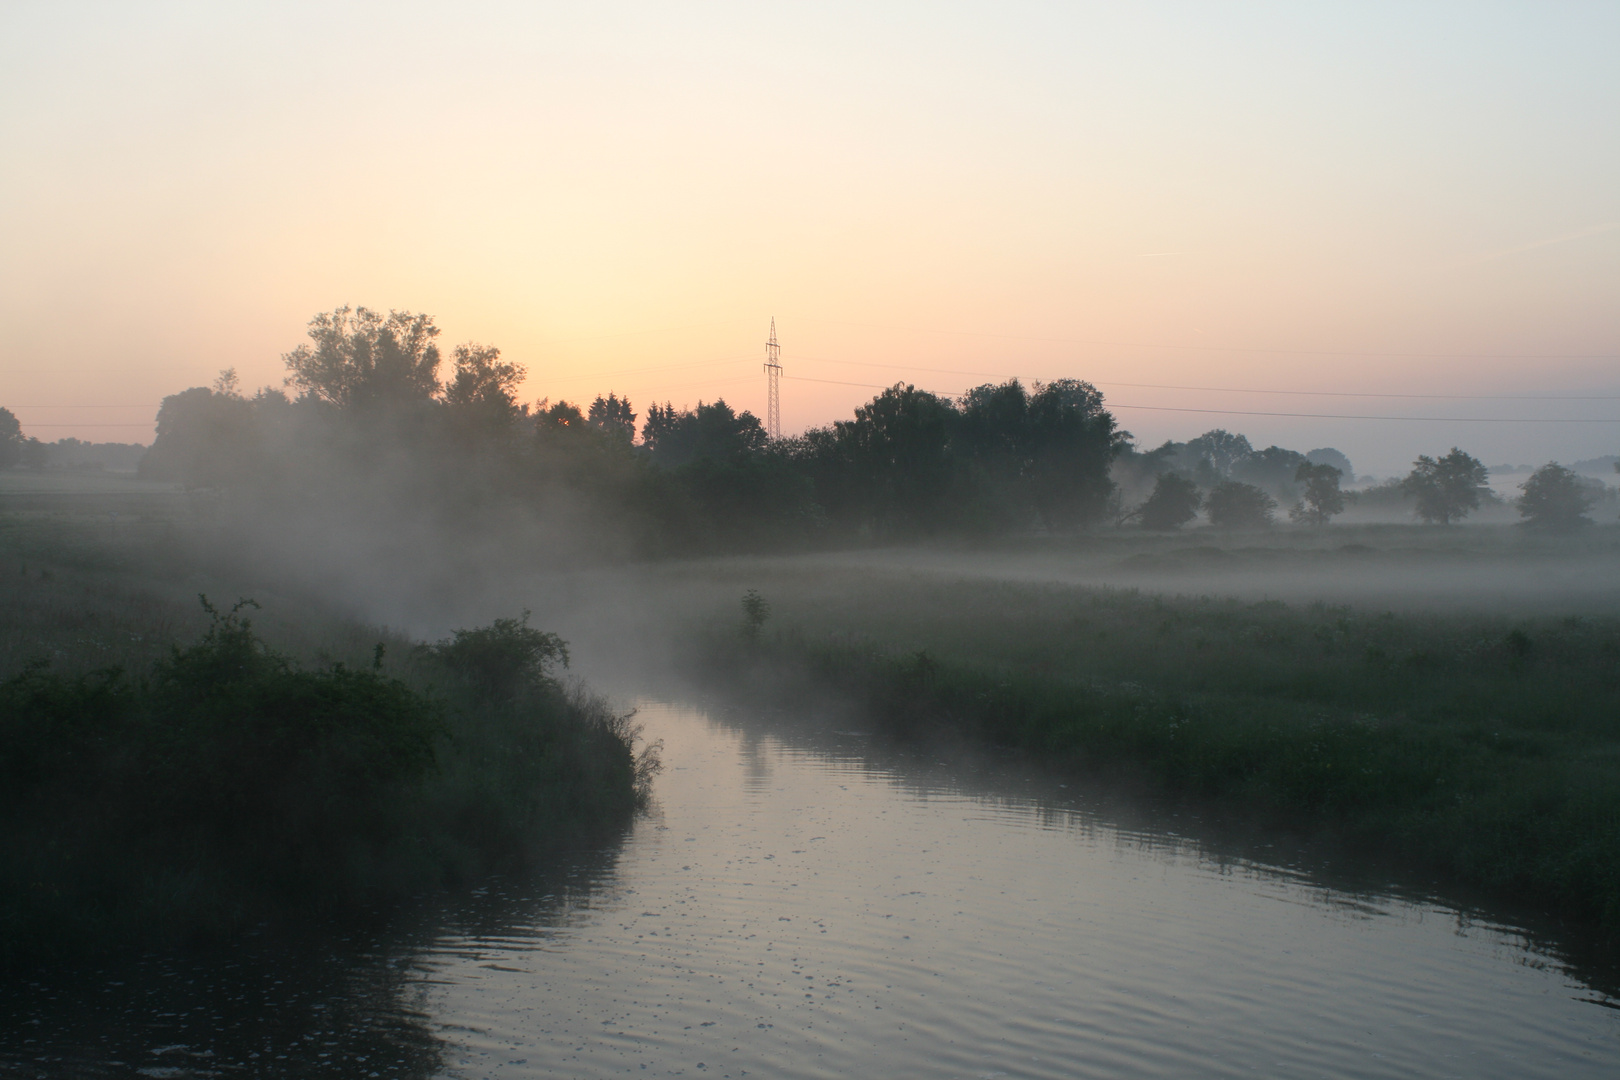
1326	455
1074	443
363	358
1555	498
1447	488
1273	469
1235	505
613	415
709	431
1221	449
205	438
894	457
1174	502
1322	499
484	387
35	454
11	439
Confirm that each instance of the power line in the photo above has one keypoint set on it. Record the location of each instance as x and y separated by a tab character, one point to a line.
1232	348
1353	394
1301	415
1238	390
1350	416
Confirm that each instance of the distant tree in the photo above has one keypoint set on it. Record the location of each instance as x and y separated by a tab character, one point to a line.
1555	498
709	431
1174	502
35	454
362	358
613	415
1326	455
1272	469
898	447
756	609
1235	505
1221	449
204	439
1074	443
11	439
1447	488
1048	450
1322	499
484	386
562	414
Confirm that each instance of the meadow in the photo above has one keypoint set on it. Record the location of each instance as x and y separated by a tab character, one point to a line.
1471	735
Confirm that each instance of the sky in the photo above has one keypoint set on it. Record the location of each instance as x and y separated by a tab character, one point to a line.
1224	215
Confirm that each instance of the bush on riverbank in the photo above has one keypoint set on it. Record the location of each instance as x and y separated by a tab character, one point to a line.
1489	757
231	786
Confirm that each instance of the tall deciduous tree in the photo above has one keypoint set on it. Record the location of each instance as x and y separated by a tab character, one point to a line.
357	358
1074	442
484	386
1555	498
1322	499
1446	488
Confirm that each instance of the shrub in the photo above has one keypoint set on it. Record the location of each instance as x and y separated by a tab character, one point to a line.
1174	502
1235	505
267	789
503	660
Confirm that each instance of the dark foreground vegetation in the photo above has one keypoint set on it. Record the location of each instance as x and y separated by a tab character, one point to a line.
230	786
1480	751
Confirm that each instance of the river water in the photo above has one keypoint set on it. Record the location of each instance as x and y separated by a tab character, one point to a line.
808	901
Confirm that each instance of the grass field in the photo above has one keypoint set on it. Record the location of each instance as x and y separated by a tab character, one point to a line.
1473	736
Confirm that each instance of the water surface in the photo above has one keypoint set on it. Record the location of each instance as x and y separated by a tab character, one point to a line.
809	902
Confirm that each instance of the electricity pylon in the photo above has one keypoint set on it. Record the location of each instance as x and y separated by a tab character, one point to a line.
773	385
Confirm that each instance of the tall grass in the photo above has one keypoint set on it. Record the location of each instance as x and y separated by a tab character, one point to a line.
1486	749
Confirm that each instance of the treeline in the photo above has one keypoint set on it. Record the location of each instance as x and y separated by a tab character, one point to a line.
33	453
376	421
379	426
1239	487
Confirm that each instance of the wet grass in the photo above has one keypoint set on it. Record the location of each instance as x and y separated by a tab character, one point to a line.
1484	748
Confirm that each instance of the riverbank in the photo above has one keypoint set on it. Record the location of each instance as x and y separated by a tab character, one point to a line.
1481	749
171	772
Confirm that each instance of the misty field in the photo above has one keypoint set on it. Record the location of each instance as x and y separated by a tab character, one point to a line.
1467	736
1447	697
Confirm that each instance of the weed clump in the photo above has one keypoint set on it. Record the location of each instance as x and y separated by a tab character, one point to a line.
230	785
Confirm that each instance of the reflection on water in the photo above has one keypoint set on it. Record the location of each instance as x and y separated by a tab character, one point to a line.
808	902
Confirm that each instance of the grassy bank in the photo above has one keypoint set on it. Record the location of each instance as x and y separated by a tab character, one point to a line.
1481	748
275	766
229	786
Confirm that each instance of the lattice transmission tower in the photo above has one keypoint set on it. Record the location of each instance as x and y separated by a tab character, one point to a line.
773	385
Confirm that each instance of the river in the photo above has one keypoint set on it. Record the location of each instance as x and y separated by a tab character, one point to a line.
807	900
